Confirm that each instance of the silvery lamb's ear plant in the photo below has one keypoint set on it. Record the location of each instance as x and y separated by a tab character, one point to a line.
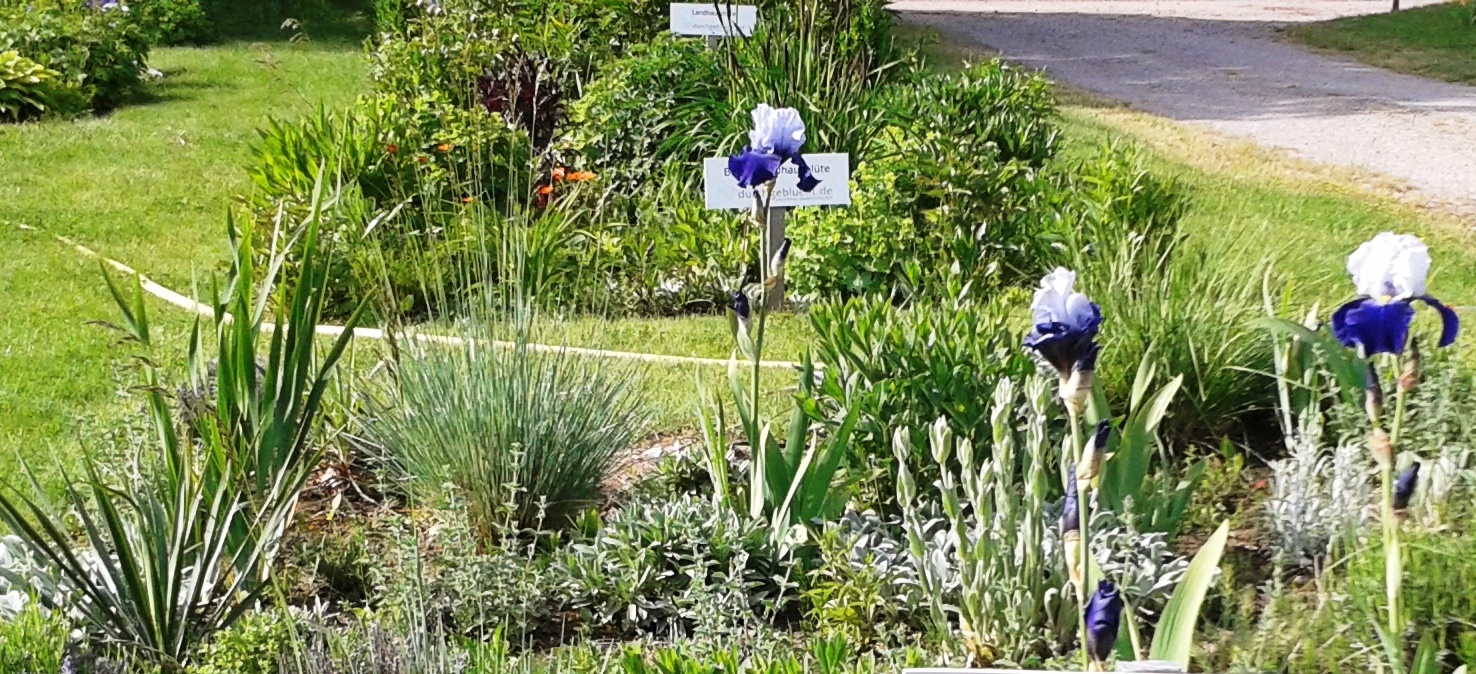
184	544
1010	602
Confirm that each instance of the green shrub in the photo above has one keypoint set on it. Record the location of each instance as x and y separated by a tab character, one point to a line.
410	172
33	641
991	111
172	22
663	103
925	362
924	225
25	86
528	436
253	645
99	53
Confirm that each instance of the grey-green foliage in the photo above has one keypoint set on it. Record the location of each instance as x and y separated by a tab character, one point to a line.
527	435
1141	564
440	565
1010	589
659	565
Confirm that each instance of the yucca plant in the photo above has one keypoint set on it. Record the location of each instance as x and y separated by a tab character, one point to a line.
180	549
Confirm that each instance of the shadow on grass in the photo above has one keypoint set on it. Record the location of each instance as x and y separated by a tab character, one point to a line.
325	23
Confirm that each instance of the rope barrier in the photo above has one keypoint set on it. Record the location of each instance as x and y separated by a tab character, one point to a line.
186	303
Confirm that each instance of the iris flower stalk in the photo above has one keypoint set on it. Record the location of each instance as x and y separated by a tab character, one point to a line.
1064	336
775	140
1389	272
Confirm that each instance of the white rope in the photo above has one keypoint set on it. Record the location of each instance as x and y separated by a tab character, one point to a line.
189	304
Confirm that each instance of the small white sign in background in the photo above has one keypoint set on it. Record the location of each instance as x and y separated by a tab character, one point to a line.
718	19
834	171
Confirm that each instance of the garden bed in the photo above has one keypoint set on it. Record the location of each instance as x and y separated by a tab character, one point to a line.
981	458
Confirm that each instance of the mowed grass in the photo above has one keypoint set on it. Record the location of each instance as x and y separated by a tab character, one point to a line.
149	184
1438	41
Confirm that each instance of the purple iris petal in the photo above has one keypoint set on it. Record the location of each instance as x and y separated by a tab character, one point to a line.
740	304
753	168
1066	348
1372	326
1103	613
807	180
1404	487
1070	511
1450	323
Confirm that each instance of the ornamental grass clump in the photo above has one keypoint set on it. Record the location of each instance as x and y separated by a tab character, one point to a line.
528	436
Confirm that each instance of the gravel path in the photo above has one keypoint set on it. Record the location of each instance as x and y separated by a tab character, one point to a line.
1218	63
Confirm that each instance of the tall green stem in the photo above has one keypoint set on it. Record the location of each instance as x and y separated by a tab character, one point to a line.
1393	559
1082	513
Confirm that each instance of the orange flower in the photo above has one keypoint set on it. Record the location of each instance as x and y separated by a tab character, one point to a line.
392	148
420	159
468	199
582	176
444	147
558	173
545	190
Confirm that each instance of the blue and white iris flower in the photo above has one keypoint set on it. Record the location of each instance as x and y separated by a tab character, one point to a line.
776	138
1389	272
1065	332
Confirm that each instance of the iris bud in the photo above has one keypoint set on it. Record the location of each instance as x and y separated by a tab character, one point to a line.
1381	447
1373	394
1092	455
1411	375
1404	489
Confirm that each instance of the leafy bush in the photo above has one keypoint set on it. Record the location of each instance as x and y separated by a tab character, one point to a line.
866	585
924	364
253	645
100	54
924	225
33	641
172	22
409	171
663	103
963	193
528	436
25	86
990	111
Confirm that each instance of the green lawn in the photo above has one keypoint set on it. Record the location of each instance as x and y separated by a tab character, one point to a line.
1437	41
150	185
